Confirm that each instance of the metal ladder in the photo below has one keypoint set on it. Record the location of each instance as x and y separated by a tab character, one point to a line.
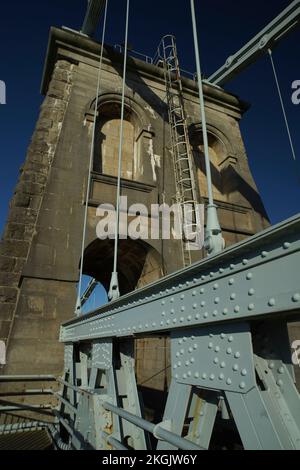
186	195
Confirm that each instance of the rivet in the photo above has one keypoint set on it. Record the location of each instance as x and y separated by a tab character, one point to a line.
221	376
179	364
242	385
235	367
225	311
281	370
163	302
187	363
172	300
231	282
251	292
212	274
195	346
232	266
176	376
184	376
180	341
190	350
203	278
279	383
202	291
229	351
202	304
217	300
162	323
205	315
153	324
163	314
175	320
237	309
189	318
204	376
194	293
286	245
192	360
264	254
197	317
223	336
245	262
215	313
230	339
197	375
189	373
182	352
182	309
195	281
249	276
195	306
210	345
216	286
251	307
233	296
168	322
271	365
244	373
182	296
296	298
237	355
272	302
216	360
217	349
175	367
181	320
229	381
223	365
212	377
184	339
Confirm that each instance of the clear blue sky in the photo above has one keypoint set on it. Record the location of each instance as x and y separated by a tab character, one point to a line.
224	26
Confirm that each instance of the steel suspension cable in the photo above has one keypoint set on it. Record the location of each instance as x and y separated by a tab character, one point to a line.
282	105
114	291
78	305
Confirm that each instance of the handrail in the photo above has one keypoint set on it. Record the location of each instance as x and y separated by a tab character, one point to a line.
155	430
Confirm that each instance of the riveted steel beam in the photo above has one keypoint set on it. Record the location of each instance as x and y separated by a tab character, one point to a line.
244	282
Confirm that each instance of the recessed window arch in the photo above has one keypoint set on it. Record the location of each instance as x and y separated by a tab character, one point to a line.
108	139
220	159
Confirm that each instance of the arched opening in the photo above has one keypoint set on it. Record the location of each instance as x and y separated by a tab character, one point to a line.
217	155
139	264
108	140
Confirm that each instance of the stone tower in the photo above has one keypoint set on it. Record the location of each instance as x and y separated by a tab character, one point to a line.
40	249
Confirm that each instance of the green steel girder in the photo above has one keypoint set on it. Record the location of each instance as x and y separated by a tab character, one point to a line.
255	279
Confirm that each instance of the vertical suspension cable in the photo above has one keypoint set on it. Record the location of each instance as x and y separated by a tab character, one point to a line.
282	105
78	305
114	291
214	242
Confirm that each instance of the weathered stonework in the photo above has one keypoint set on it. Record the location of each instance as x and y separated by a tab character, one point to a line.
40	251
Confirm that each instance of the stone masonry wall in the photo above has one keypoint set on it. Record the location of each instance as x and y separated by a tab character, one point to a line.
26	202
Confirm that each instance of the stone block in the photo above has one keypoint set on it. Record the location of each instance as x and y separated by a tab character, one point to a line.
7	264
13	248
8	295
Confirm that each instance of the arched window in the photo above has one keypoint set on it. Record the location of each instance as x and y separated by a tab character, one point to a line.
219	163
108	136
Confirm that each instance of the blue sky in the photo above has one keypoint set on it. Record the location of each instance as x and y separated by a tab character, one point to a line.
224	26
